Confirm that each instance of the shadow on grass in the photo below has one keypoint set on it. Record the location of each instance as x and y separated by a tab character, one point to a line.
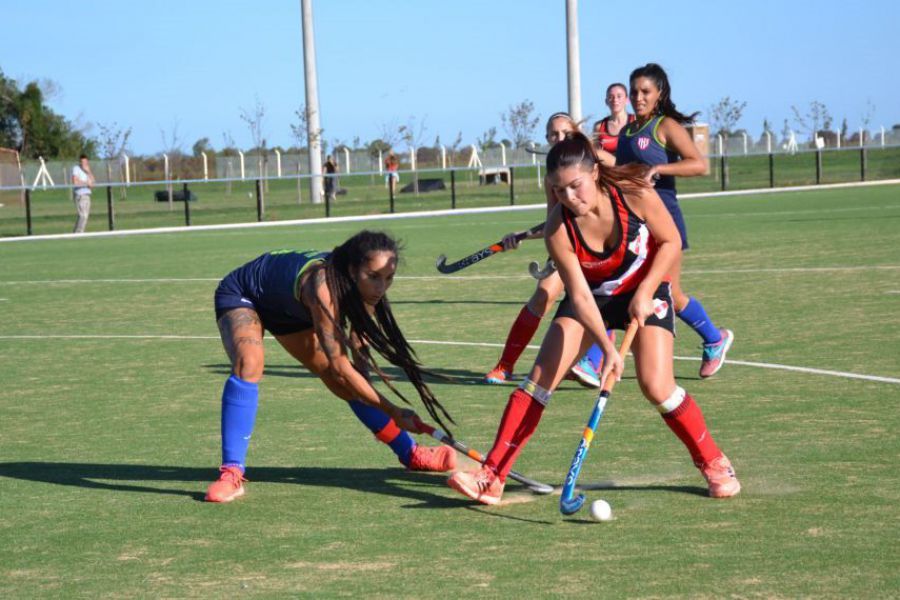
432	375
155	479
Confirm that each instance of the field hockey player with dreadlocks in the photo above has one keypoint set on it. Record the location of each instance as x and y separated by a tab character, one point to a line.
328	310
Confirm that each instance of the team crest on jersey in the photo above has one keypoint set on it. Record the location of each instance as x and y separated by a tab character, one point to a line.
643	142
660	308
638	245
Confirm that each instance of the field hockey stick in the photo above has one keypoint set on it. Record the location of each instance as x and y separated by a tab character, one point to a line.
567	504
535	486
471	259
538	272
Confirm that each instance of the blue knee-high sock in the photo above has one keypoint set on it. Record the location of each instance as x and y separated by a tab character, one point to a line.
695	316
384	429
595	355
239	401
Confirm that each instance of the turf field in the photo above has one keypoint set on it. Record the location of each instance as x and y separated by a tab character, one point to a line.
112	371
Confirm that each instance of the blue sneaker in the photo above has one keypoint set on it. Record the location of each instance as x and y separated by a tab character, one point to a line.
583	372
714	354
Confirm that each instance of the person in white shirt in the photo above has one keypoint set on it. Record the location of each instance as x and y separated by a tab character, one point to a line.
83	180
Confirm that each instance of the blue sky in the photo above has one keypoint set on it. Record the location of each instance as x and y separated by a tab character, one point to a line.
450	66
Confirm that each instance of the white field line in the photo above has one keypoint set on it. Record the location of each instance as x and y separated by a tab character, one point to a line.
469	277
419	214
759	365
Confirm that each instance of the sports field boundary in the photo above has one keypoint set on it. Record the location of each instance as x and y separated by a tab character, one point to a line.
422	214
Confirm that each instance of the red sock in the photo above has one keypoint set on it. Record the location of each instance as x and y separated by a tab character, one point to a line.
520	334
687	422
520	419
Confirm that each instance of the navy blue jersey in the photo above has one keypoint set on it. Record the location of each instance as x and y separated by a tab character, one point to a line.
270	284
642	145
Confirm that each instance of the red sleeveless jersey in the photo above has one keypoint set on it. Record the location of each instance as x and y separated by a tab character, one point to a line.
608	141
621	268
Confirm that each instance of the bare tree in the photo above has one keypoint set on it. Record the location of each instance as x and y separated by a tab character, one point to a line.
414	136
519	121
113	142
488	139
253	117
866	117
816	118
725	115
299	129
389	133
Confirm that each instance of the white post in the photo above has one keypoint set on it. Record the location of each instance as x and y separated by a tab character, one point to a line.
533	154
412	158
502	154
346	159
720	142
882	136
127	169
573	62
380	163
745	141
243	172
166	166
278	162
861	136
205	167
837	136
768	142
311	80
443	157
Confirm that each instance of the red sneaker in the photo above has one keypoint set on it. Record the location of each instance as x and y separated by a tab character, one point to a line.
498	375
229	486
720	476
437	459
482	485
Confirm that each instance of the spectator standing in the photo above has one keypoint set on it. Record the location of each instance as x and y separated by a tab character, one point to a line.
83	180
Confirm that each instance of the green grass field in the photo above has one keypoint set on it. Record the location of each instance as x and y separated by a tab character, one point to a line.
112	371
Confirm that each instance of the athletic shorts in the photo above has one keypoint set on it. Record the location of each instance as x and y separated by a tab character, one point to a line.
615	309
391	174
275	319
674	209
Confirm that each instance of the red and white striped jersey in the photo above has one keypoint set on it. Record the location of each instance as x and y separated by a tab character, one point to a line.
621	268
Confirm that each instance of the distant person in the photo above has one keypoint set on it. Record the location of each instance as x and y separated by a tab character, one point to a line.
658	140
331	170
392	166
83	180
607	129
328	310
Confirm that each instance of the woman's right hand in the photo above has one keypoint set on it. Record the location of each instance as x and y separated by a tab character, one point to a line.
510	242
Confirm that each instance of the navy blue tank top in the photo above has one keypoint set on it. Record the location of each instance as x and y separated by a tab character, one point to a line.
641	145
272	280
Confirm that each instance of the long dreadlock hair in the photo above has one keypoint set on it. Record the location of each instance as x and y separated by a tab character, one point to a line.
381	332
664	106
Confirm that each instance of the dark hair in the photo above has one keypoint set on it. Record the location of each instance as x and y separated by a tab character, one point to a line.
615	85
577	149
382	332
82	157
664	106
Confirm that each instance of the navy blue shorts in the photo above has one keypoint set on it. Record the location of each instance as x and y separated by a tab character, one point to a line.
674	209
615	309
232	294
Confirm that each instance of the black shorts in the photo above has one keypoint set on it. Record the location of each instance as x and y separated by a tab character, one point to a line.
615	309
